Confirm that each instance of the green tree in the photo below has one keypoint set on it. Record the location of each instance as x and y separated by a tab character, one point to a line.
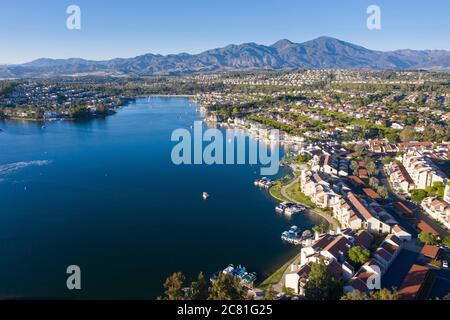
322	228
392	137
374	182
355	295
270	294
446	241
387	160
440	189
384	294
417	195
436	190
358	255
382	191
288	291
354	165
303	158
371	168
226	287
199	289
321	285
408	134
174	286
359	149
427	238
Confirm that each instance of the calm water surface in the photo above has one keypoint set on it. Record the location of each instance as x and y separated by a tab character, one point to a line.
104	195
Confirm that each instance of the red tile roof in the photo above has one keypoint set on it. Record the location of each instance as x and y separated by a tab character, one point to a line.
403	208
356	180
358	284
431	252
363	239
384	254
371	193
362	173
425	227
393	238
338	246
359	206
413	283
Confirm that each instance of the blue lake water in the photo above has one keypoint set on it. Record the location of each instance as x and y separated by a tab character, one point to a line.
104	194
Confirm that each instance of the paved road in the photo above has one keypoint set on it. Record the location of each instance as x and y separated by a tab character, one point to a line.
312	210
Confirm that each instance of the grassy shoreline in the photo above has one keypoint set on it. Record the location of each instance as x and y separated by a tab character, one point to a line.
276	276
275	192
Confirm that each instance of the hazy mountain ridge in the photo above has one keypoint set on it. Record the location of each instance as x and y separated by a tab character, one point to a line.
323	52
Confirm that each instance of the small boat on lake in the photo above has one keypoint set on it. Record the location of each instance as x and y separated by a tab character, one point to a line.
247	279
292	236
289	208
264	183
205	195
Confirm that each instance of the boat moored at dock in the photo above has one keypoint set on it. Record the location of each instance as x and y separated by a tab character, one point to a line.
295	236
264	183
289	208
247	279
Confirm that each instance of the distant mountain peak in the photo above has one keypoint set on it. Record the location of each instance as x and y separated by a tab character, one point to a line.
322	52
282	43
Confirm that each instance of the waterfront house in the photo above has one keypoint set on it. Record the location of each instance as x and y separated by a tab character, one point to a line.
346	215
318	189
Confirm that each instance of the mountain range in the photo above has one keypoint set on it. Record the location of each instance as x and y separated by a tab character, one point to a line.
323	52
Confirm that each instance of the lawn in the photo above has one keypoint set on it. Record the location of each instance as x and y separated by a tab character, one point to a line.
295	193
275	277
275	192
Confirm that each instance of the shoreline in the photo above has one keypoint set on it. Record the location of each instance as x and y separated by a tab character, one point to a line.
113	111
168	95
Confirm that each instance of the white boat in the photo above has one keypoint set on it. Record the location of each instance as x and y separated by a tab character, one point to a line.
281	207
205	195
292	210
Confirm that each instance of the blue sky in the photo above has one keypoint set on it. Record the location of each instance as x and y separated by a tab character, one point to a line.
115	28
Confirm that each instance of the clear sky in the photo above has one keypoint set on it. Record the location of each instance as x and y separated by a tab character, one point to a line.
115	28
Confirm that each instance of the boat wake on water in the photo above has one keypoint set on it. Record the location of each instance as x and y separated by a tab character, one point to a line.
9	168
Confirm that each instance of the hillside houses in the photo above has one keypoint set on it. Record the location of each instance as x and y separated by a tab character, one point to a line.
438	209
354	212
422	170
333	249
381	146
330	164
318	189
370	274
401	180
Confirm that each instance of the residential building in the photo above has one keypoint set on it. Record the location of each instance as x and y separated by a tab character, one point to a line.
438	210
